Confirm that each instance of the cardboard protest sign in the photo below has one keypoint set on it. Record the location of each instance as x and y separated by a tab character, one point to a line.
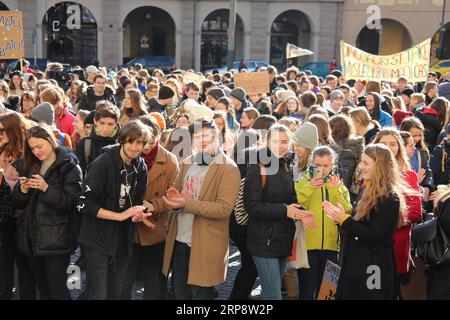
11	35
329	282
252	82
413	63
193	77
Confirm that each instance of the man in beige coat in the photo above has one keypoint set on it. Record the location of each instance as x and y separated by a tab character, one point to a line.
202	198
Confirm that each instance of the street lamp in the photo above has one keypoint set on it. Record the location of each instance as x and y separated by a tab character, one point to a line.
441	35
231	34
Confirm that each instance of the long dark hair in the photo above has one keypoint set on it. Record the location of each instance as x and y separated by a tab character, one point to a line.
32	165
13	125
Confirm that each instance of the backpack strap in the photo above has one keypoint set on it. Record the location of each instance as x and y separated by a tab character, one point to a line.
443	159
87	149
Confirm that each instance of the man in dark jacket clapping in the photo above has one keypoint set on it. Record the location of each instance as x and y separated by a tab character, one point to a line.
113	193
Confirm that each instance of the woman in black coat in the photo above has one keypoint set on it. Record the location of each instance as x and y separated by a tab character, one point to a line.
368	266
49	187
271	203
438	277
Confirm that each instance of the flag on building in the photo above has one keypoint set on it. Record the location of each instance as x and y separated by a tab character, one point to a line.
294	51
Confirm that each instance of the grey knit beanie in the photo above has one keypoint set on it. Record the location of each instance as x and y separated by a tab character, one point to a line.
307	136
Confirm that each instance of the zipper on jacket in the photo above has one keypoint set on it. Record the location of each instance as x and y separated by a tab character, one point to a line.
271	231
323	219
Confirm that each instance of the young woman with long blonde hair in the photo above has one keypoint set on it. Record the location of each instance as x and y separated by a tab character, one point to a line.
368	237
391	138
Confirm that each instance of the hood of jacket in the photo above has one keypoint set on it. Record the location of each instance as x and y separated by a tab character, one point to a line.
108	91
114	152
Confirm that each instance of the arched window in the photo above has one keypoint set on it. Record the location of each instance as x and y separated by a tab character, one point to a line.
70	34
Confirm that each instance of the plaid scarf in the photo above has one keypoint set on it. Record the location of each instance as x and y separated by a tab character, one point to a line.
151	157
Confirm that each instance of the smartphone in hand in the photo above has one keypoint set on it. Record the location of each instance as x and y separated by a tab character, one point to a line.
318	172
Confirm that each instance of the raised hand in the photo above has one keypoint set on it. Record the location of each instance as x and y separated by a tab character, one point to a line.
335	213
334	181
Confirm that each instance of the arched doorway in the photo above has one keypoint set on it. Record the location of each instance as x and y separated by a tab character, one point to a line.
3	7
148	31
214	39
391	38
436	44
70	34
293	27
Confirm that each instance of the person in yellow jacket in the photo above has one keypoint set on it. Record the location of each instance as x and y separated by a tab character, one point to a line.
318	185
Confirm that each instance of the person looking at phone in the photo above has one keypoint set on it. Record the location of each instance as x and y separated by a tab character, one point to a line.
272	208
47	229
320	184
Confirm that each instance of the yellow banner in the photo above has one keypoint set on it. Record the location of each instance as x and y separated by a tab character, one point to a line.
11	35
413	64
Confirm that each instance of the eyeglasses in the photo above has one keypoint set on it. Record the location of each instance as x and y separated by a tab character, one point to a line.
2	130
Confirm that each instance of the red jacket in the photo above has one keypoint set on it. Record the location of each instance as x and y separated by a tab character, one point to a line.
65	120
402	235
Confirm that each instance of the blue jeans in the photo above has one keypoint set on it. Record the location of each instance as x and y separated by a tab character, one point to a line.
270	272
310	280
180	273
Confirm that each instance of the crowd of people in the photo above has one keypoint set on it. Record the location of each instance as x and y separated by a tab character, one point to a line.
148	177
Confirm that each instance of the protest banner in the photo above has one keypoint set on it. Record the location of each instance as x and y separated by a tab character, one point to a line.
413	64
193	77
252	82
11	35
329	282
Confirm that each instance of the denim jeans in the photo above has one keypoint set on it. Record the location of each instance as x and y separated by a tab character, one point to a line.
310	280
180	272
270	272
149	261
105	275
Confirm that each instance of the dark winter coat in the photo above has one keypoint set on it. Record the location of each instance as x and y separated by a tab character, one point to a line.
88	101
102	190
438	284
270	231
49	224
440	163
97	144
366	244
430	120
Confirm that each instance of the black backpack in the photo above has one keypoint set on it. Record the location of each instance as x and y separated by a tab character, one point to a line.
347	166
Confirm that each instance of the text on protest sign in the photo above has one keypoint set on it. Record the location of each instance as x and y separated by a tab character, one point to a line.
413	63
11	35
252	82
329	282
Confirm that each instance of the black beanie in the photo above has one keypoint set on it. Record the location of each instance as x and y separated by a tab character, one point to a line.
89	118
165	92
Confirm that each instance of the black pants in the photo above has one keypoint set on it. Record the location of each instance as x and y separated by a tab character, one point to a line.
105	275
48	273
309	280
7	256
180	272
247	274
149	261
